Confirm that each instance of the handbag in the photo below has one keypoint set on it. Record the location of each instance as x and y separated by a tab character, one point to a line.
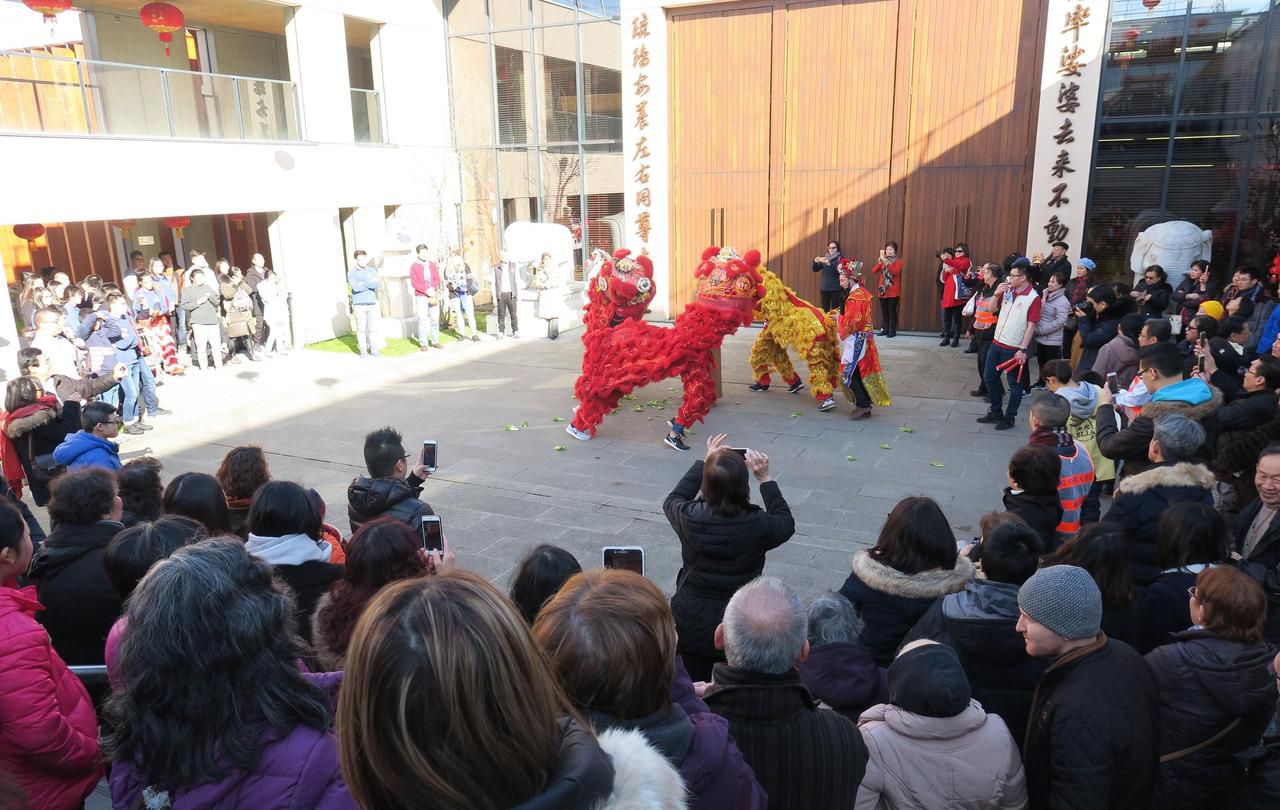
971	308
43	467
472	286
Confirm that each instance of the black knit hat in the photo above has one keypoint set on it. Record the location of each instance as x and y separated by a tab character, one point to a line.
928	680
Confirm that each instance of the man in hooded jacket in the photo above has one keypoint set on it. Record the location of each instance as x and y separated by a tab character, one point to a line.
386	491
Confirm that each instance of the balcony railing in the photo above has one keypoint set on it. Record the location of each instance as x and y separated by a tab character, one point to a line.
366	115
52	94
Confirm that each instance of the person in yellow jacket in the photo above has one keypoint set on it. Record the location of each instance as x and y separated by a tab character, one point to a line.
1083	427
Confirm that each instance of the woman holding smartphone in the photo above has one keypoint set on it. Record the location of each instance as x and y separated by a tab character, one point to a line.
723	541
888	273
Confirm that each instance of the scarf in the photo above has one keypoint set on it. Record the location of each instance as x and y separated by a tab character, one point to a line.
8	453
1051	437
886	278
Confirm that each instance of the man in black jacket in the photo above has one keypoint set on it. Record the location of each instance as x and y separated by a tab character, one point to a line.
1057	262
1256	404
1093	733
979	624
1256	548
386	491
804	757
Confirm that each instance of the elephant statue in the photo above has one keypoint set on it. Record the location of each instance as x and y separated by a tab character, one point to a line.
1173	246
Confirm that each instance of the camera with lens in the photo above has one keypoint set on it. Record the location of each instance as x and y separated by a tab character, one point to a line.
1086	307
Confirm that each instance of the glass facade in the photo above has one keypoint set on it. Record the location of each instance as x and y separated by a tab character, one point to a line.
1189	129
536	91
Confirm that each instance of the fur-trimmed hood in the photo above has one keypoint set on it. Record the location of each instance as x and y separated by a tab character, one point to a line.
16	428
929	584
1156	408
1182	474
642	778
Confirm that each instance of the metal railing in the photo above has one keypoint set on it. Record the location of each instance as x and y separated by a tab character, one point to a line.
366	115
62	95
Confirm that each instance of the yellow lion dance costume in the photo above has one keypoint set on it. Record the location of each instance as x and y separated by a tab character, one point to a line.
796	324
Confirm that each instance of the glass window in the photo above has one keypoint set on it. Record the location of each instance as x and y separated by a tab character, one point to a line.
472	90
1260	231
602	80
478	210
518	182
513	70
1224	46
1142	58
1205	175
562	193
1127	178
508	13
464	16
1271	68
553	12
604	178
557	62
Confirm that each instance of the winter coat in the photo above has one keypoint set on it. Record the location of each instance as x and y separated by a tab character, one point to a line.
1054	309
303	563
830	270
370	498
804	757
1119	355
697	742
79	390
1040	272
1163	608
237	307
1207	682
48	731
979	623
1196	401
273	298
7	495
1094	731
1263	564
39	434
80	604
1249	412
914	761
617	771
1042	513
299	770
1160	293
1097	332
952	275
1083	425
83	449
1187	307
202	305
891	602
718	555
844	677
1141	499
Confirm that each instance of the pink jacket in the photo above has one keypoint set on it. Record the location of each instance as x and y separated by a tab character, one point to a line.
48	731
425	278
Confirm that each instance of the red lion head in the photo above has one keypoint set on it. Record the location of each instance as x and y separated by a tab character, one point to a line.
626	283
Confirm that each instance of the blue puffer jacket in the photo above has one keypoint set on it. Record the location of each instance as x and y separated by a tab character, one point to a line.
82	449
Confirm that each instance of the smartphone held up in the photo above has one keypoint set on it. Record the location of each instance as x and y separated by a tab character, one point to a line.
428	458
625	558
432	532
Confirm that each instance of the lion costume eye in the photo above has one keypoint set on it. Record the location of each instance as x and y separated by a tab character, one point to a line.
644	285
601	284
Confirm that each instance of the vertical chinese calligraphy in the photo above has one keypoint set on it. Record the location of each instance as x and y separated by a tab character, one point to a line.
641	153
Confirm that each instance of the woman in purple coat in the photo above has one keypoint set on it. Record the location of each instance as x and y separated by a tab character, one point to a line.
602	617
211	711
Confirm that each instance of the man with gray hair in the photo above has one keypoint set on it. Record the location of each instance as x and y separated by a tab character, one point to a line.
804	757
1177	477
839	673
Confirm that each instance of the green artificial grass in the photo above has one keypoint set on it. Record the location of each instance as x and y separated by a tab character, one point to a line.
396	347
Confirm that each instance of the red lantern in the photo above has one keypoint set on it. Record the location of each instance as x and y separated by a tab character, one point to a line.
1150	5
178	224
239	220
49	8
162	18
30	233
1131	36
124	225
1201	22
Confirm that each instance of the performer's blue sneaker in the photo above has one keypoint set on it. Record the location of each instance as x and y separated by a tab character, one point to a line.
580	435
797	388
757	387
675	442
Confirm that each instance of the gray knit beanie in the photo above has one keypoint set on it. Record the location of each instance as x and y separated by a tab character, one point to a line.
1065	599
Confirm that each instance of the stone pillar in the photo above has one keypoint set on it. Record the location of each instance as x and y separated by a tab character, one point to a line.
316	39
306	246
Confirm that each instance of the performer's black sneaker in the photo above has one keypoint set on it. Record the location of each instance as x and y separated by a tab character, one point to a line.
676	442
991	418
797	388
1004	424
757	387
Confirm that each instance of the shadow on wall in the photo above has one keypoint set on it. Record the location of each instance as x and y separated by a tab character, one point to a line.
341	322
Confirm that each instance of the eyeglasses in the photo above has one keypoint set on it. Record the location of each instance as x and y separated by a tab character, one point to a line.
115	420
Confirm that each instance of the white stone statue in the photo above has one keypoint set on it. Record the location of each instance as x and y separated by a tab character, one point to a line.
1173	246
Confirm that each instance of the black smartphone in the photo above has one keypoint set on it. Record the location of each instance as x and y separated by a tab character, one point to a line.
1113	384
1204	347
625	558
429	450
742	451
432	531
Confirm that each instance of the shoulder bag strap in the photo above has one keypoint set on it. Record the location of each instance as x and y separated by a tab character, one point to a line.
1189	751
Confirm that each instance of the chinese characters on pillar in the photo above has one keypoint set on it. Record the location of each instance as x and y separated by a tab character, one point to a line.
641	155
1071	61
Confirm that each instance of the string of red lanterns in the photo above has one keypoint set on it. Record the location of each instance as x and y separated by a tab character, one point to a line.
30	232
178	224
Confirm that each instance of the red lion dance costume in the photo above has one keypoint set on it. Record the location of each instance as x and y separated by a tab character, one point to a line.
622	352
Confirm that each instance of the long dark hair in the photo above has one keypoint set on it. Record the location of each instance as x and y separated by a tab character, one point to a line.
197	687
280	508
198	496
141	489
381	552
726	485
1102	550
916	537
539	576
1191	534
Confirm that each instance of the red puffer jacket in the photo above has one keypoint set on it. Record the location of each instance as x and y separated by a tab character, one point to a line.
48	732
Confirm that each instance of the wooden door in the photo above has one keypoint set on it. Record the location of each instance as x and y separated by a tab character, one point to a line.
720	61
836	102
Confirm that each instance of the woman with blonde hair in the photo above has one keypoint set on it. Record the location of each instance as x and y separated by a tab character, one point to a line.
448	702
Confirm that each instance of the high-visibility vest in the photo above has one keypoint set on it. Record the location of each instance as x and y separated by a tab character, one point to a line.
1074	482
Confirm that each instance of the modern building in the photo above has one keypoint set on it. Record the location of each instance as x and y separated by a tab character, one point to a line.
303	129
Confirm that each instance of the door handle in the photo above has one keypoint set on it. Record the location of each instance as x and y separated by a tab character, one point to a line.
721	227
835	225
826	229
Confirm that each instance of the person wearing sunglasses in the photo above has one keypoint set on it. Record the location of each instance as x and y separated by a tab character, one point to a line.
92	446
1152	292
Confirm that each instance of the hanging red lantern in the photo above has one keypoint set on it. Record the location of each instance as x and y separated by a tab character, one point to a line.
49	8
1131	36
1201	22
164	19
124	225
1150	5
30	232
239	220
178	224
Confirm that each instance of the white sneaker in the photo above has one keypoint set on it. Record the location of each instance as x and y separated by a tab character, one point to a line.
580	435
828	405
